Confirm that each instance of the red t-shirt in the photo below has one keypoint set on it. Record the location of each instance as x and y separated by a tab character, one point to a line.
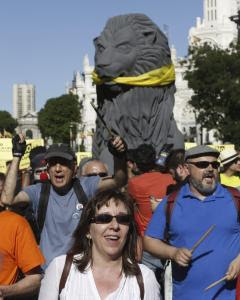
18	248
141	188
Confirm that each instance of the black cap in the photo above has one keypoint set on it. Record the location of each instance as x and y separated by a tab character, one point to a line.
60	150
38	161
201	150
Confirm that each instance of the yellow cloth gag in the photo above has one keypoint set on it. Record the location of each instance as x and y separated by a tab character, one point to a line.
162	76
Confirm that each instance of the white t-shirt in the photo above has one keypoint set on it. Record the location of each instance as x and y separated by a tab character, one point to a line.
81	286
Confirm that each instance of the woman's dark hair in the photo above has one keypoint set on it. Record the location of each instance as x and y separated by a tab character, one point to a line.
82	244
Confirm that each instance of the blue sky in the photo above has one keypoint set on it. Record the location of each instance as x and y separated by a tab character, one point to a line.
43	42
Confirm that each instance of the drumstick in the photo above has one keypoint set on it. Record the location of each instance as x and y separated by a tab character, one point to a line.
215	283
210	229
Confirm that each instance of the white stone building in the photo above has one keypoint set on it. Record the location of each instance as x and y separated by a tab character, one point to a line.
83	86
23	99
28	124
215	28
24	110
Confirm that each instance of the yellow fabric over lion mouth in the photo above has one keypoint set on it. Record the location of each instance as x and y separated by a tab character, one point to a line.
158	77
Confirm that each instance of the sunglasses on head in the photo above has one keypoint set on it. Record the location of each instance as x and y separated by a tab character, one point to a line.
100	174
205	164
106	218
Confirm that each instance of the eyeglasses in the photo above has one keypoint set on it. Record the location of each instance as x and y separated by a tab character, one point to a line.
205	164
106	218
100	174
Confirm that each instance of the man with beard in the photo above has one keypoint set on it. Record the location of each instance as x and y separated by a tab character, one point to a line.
199	204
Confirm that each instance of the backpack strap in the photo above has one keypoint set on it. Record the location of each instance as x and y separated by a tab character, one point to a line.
140	282
65	272
168	211
43	204
236	197
78	189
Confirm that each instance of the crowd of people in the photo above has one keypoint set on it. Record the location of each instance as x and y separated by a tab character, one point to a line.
154	229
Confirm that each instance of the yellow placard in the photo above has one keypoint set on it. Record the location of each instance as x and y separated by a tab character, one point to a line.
189	145
3	166
81	155
6	152
219	148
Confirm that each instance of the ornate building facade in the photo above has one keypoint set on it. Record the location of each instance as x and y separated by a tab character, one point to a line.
24	110
83	86
215	28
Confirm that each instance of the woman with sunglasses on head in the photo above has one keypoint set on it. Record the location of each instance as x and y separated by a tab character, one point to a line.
101	263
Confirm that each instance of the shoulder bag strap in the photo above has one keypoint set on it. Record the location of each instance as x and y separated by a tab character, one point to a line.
66	270
78	189
236	197
43	204
140	282
171	200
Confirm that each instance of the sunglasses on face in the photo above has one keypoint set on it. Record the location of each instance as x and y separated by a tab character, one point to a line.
205	164
101	174
106	218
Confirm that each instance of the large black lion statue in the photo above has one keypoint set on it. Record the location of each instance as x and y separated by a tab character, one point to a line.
135	79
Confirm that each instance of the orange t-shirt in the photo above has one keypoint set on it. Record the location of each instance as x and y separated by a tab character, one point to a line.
18	248
141	188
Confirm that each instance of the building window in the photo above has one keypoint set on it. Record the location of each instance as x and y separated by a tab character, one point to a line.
193	131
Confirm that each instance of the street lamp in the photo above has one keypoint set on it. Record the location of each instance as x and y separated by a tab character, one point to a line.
236	19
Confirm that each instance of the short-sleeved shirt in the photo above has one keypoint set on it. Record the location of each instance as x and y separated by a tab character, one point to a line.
62	217
18	248
190	219
141	188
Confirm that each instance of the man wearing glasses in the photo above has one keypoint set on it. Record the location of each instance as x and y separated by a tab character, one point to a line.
93	167
199	204
63	209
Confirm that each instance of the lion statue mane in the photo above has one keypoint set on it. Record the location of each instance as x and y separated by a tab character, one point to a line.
131	46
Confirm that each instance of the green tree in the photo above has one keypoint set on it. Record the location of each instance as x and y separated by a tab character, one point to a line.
58	115
7	122
214	76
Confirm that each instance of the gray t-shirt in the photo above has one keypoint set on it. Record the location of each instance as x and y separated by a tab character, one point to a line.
62	217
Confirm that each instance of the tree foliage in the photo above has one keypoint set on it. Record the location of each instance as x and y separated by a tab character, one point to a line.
58	115
214	76
7	122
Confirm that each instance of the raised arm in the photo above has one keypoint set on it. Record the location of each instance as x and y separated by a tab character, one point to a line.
7	197
118	149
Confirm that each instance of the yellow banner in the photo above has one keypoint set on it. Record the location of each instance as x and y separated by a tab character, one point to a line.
81	155
220	148
6	152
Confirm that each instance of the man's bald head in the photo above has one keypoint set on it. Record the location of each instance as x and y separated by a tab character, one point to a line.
94	167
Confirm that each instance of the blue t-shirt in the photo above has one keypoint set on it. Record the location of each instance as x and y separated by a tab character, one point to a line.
190	219
62	217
